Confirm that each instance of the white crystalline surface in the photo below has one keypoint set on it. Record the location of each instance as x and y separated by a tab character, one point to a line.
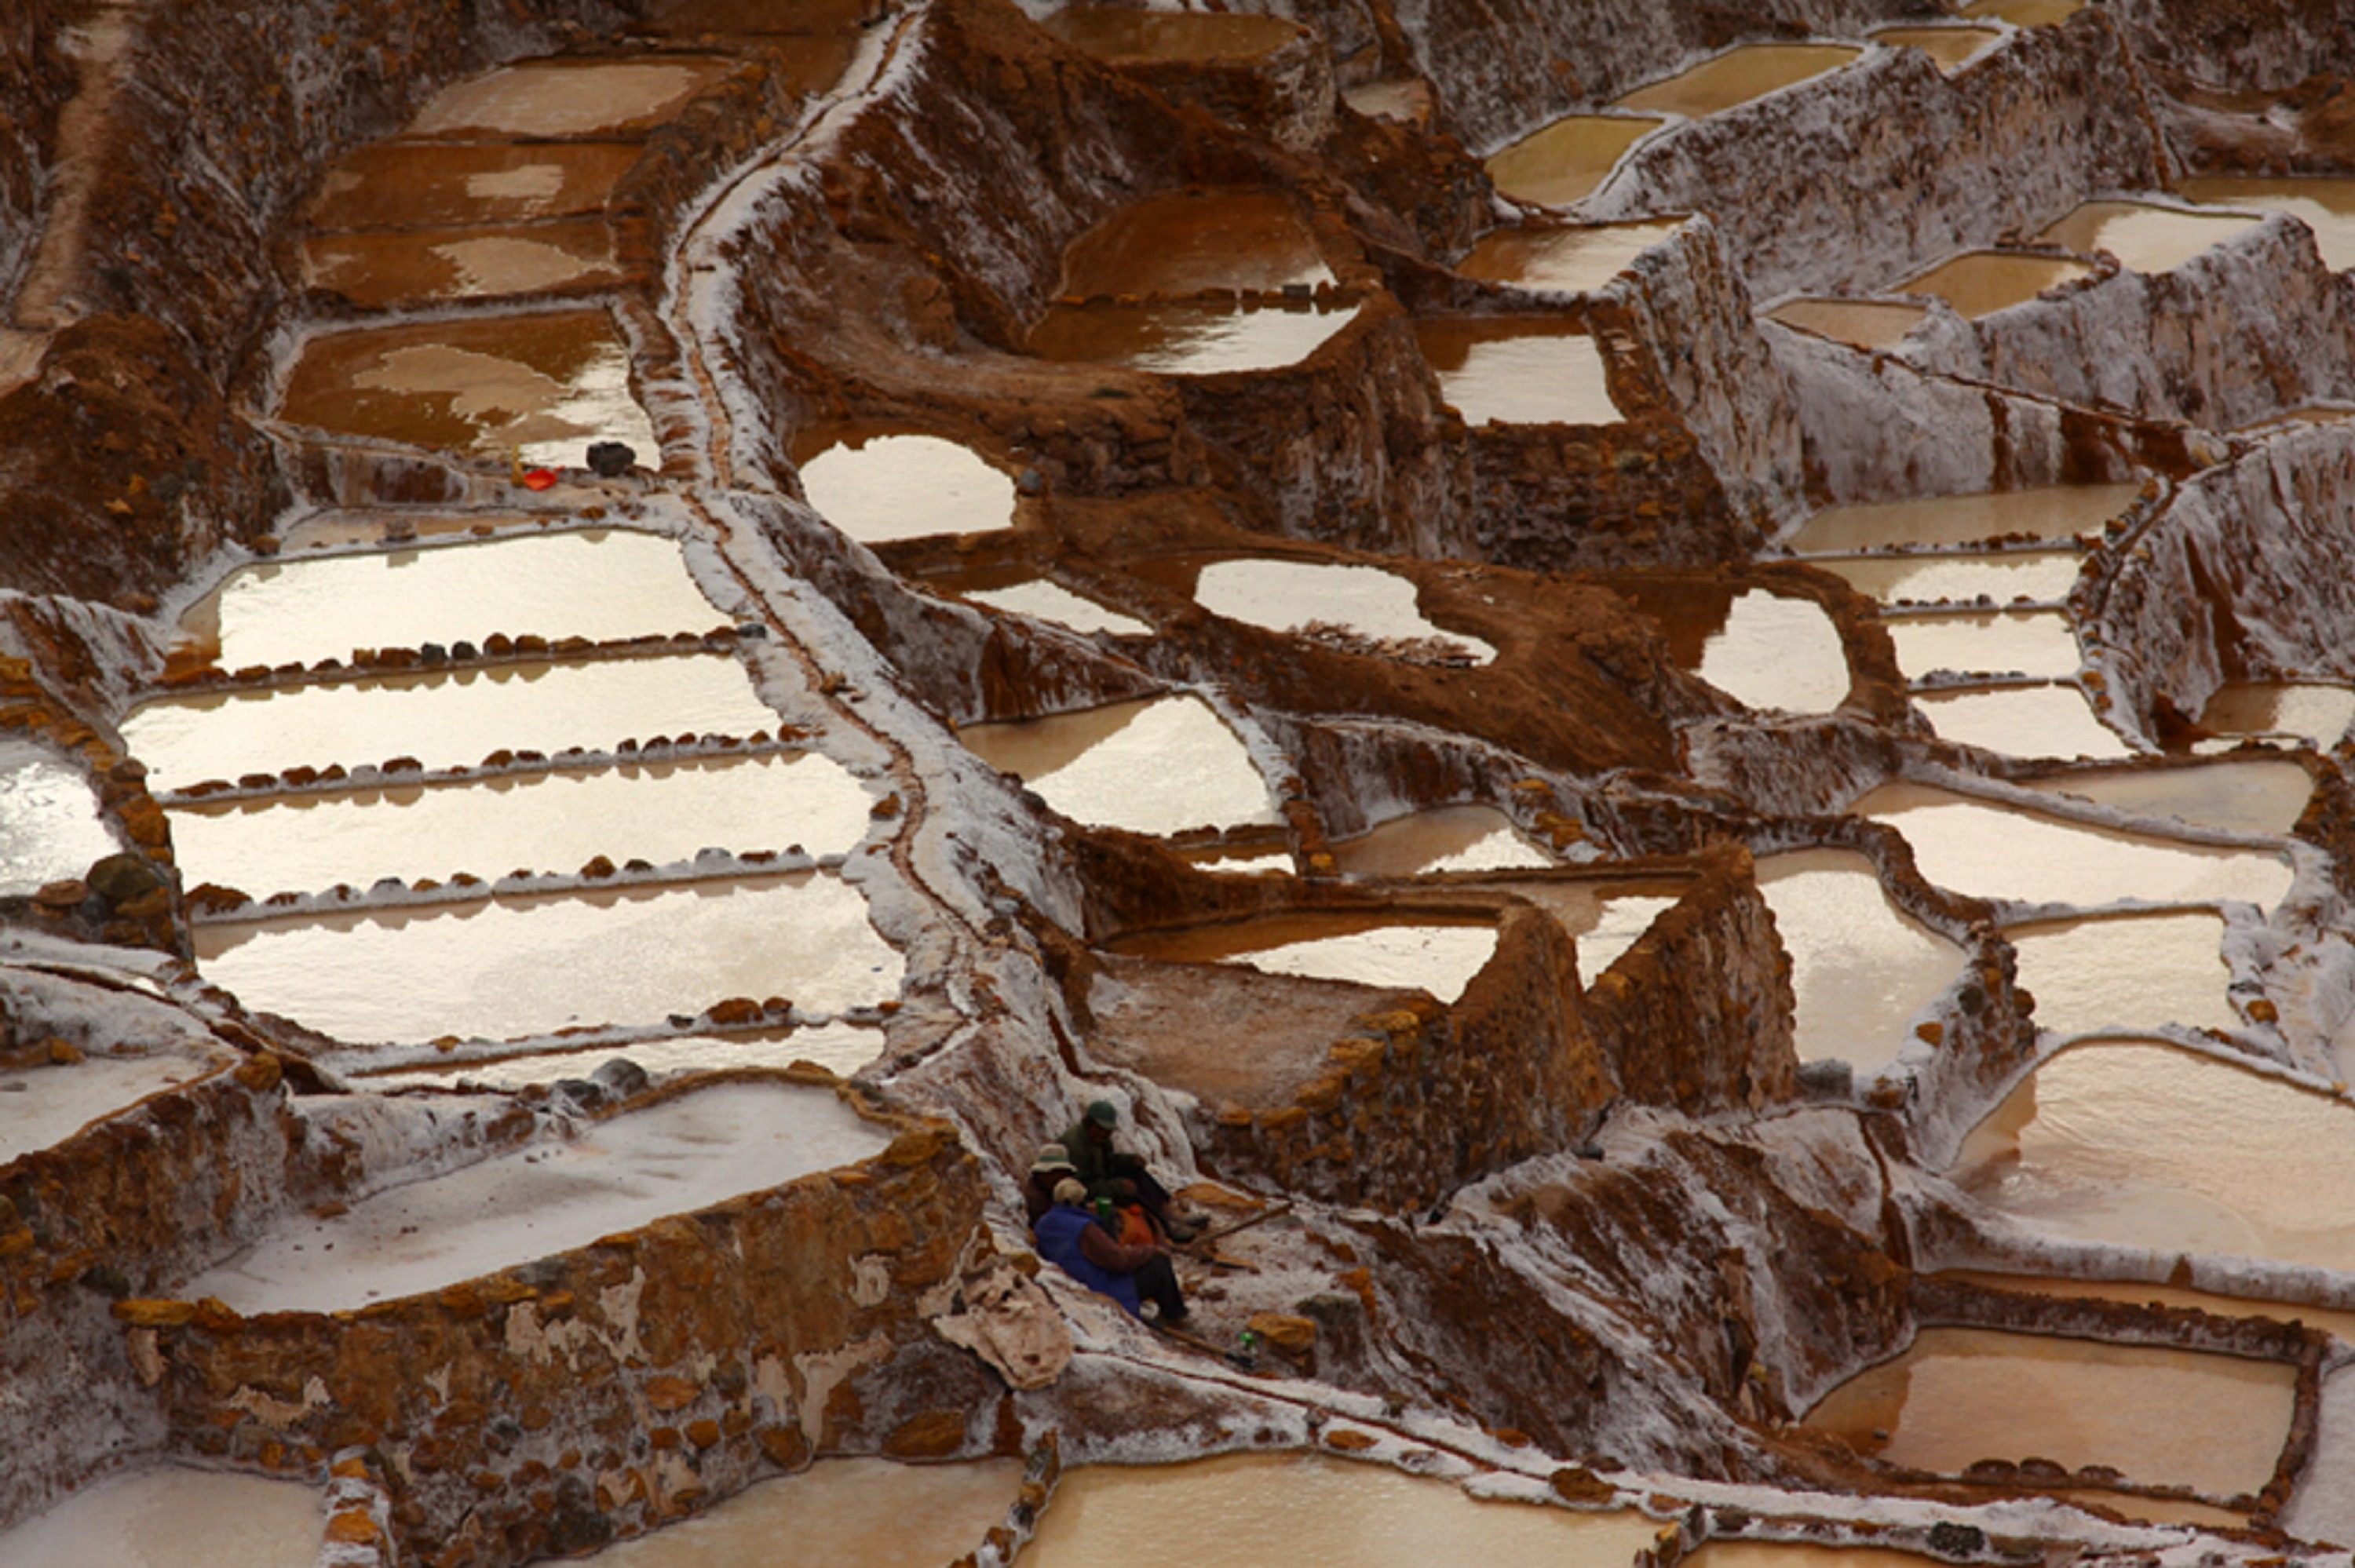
40	1107
50	825
173	1519
1155	767
1441	959
1285	596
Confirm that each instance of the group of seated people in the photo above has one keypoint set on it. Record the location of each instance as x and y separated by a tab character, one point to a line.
1100	1216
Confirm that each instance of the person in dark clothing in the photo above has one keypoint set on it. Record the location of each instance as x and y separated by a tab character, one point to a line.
1109	1173
1039	1187
1071	1239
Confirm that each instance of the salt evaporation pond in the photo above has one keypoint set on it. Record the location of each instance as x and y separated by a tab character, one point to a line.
1762	649
1604	918
2023	13
1571	261
385	271
2016	642
1156	766
1732	1553
42	1107
1518	371
2127	972
2325	203
1861	323
1308	1510
1444	839
1860	967
1406	100
172	1518
1286	596
444	720
555	99
877	488
2160	1416
838	1047
2322	1509
2255	796
50	826
1119	33
2143	1293
606	585
2023	721
2144	237
1950	47
412	184
1736	77
555	821
839	1513
505	967
538	386
674	1157
2314	713
1981	282
1189	338
2302	418
2049	511
2043	576
1044	601
1564	161
1988	851
1437	956
2145	1144
1190	242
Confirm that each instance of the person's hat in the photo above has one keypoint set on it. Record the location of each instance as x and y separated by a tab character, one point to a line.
1103	1113
1071	1190
1051	1158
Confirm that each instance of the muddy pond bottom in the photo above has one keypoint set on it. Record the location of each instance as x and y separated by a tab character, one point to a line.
1736	77
1119	33
1950	47
1158	766
1981	282
386	271
879	486
1861	323
2144	237
839	1513
174	1518
2023	13
1860	967
409	184
556	99
1188	242
1448	838
1187	338
1564	161
1561	259
1527	371
2049	512
1439	957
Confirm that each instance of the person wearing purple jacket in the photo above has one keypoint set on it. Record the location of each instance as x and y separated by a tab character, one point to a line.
1071	1239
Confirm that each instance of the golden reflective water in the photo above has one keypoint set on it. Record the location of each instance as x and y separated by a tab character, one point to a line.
1517	370
1158	766
381	271
1044	601
444	720
2023	721
545	384
1860	967
1445	838
551	823
2144	237
1562	162
1438	956
429	184
1117	32
1865	323
172	1518
2326	204
2161	1417
1576	261
1186	242
2052	512
2125	972
2248	797
2000	852
1950	47
605	585
1981	282
2016	642
2148	1145
1286	596
552	98
2043	575
1736	77
49	823
2314	713
839	1513
1310	1511
1605	918
1186	339
513	967
2023	13
877	488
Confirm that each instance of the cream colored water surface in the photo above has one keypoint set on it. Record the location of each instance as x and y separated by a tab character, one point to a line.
174	1518
2149	1145
444	720
1564	161
2044	576
44	1105
1605	918
50	828
1778	654
880	488
1439	956
2023	721
1736	77
1981	282
1406	100
1119	32
839	1047
553	99
1286	596
674	1157
1518	371
2133	971
2324	203
1445	838
545	822
2160	1416
1559	259
839	1513
1860	966
511	967
1950	47
2052	512
384	272
2015	643
1187	338
411	184
606	585
1862	323
2312	712
1044	601
1157	766
2252	796
2144	237
1310	1511
1186	242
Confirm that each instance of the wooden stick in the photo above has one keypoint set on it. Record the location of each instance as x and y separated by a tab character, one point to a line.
1282	1206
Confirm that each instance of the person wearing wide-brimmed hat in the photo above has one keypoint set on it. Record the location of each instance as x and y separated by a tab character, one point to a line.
1052	1165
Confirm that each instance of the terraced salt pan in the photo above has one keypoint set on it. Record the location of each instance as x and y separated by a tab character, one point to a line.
882	488
2247	797
2142	1292
2322	1509
1950	47
1187	242
674	1157
2052	512
1798	1554
1043	601
1157	766
1981	282
50	828
42	1106
2144	237
1862	323
2296	420
2148	1144
1118	32
1406	100
2324	203
384	272
444	720
2160	1416
1605	918
552	99
1736	77
412	184
840	1048
2127	972
1312	1511
548	822
604	583
1446	838
2314	713
2023	13
2023	721
1860	967
1187	338
1778	654
172	1518
2038	643
1564	161
2044	576
510	967
1570	260
1509	371
839	1513
1439	957
1288	596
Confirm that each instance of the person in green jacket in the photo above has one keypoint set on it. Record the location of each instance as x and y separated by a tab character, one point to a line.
1115	1173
